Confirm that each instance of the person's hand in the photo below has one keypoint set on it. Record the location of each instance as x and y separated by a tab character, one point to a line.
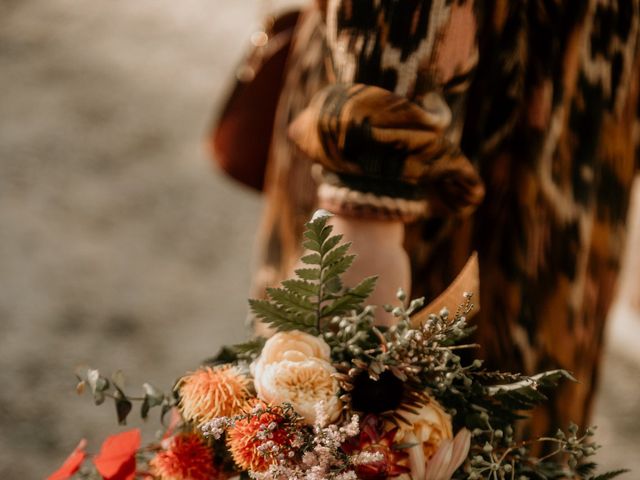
378	245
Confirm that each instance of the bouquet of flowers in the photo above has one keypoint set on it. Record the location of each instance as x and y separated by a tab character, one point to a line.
331	395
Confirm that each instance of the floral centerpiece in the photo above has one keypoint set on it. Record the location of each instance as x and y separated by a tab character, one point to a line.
331	395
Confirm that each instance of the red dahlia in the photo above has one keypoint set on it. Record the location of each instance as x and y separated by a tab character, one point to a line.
373	439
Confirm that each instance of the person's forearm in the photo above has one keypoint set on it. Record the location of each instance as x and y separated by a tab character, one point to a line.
378	245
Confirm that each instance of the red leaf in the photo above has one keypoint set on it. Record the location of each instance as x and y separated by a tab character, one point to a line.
72	464
117	457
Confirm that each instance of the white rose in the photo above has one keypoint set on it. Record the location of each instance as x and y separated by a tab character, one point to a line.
294	368
293	344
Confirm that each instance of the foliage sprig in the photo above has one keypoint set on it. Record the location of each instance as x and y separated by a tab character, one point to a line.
306	303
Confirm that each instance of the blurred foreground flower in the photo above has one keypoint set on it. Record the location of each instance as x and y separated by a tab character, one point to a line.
117	457
72	464
187	458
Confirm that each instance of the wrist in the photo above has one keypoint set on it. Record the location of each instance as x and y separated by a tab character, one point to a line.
378	245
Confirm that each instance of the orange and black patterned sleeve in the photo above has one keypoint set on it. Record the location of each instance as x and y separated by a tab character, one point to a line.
386	130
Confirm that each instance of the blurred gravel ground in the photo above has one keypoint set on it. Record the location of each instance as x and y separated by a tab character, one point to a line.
119	247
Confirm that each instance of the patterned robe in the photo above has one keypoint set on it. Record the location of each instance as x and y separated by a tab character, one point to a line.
543	100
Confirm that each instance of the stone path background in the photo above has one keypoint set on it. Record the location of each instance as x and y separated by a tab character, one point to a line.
119	245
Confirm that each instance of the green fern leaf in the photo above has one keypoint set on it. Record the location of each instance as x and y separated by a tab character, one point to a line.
301	287
318	230
339	267
268	311
312	259
311	245
290	301
336	254
364	288
350	300
610	475
329	244
308	273
282	319
333	285
317	292
253	346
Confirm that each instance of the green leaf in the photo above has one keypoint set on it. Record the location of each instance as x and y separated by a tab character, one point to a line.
278	318
312	245
337	254
314	227
118	379
98	384
329	244
364	288
301	287
250	348
308	273
352	299
324	234
155	395
269	311
318	229
333	285
301	303
152	398
312	259
144	408
289	300
226	354
586	469
612	474
339	267
544	379
123	407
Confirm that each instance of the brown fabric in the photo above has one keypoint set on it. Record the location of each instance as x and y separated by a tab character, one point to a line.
546	113
241	136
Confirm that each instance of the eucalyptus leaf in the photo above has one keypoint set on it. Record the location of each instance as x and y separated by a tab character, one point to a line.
98	398
98	384
154	395
123	407
118	379
144	408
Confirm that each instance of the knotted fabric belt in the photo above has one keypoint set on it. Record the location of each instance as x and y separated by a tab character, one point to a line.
384	156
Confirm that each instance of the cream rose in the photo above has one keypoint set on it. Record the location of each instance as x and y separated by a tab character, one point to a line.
291	346
427	429
294	368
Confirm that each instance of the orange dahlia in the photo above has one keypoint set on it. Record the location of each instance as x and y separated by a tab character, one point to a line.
210	392
256	441
187	458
